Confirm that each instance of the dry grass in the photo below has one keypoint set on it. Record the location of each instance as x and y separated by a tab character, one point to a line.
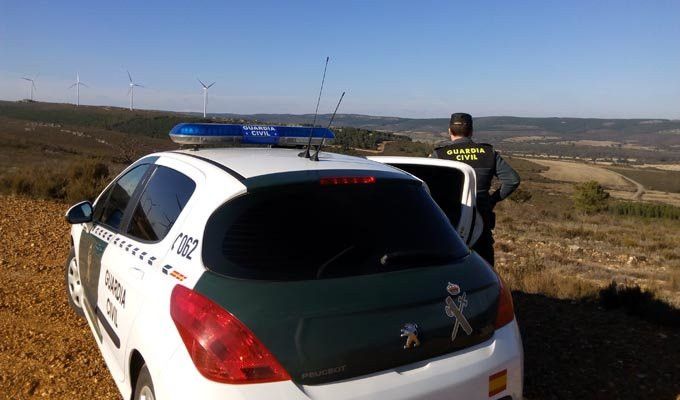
660	180
545	246
674	280
79	180
579	172
25	144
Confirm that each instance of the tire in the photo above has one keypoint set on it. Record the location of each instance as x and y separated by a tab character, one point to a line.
74	287
144	386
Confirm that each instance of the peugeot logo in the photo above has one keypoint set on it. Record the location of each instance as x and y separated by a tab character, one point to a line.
410	332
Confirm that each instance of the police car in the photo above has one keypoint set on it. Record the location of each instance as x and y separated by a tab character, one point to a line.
257	273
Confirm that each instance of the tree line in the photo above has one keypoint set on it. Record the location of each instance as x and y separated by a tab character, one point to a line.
357	138
646	210
590	197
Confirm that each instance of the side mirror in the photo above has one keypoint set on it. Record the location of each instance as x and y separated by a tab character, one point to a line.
79	213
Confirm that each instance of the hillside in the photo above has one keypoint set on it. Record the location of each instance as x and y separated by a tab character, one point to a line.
46	147
666	129
586	138
590	283
576	344
112	131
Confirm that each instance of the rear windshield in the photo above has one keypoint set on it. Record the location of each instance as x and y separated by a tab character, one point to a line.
313	231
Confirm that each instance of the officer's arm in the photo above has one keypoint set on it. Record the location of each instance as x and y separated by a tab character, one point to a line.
509	180
434	154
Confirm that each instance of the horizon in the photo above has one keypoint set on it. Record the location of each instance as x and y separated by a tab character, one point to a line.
220	114
535	60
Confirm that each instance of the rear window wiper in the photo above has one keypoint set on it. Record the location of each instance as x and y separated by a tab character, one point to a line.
322	268
417	257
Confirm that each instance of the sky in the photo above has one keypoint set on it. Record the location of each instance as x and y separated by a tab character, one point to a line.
419	59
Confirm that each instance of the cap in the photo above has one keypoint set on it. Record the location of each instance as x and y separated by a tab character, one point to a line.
459	119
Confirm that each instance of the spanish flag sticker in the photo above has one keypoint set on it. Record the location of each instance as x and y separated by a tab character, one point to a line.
498	382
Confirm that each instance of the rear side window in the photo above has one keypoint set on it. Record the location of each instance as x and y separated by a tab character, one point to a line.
161	202
119	197
445	184
314	231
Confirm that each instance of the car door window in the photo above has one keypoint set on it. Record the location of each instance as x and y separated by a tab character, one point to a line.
161	202
120	195
99	205
445	185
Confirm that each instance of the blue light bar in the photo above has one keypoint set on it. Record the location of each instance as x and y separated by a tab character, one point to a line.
198	134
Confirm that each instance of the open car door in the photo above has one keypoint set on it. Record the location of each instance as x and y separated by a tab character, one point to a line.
451	184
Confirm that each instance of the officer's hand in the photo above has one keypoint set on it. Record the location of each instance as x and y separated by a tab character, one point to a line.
494	199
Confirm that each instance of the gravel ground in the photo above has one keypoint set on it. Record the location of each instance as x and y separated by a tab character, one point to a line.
572	350
45	350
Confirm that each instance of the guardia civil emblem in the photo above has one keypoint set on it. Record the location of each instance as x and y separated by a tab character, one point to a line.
454	309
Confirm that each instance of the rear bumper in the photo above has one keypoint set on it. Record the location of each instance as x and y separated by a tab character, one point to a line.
462	375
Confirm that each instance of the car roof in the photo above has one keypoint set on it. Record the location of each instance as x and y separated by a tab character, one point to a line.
252	161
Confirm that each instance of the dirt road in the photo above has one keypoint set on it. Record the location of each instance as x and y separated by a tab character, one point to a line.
639	189
569	171
572	350
618	185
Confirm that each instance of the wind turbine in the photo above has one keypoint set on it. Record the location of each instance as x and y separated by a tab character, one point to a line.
205	95
32	84
131	91
77	85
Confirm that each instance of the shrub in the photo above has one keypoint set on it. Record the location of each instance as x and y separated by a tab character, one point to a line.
81	180
573	232
19	184
674	280
590	197
645	210
85	180
521	196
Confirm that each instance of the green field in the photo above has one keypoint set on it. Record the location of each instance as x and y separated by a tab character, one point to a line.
654	179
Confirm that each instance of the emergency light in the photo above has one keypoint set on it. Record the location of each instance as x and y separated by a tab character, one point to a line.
197	134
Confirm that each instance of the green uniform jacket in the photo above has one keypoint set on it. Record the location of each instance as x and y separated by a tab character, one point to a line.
487	164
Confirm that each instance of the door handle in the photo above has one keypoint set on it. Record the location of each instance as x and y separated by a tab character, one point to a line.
136	273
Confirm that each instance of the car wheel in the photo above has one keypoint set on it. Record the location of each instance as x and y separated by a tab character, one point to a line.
74	285
144	386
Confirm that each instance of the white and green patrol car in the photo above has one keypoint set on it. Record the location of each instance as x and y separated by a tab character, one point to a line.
255	273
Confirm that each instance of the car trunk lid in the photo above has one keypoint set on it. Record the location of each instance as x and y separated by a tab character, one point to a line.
332	329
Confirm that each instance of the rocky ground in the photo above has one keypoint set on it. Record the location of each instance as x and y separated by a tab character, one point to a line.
573	349
45	350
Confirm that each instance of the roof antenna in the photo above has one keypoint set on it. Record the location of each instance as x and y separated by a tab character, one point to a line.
306	154
315	157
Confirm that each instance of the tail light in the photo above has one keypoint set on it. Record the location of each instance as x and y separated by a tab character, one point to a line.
506	311
221	347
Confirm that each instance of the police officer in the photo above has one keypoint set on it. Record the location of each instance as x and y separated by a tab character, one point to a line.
487	164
